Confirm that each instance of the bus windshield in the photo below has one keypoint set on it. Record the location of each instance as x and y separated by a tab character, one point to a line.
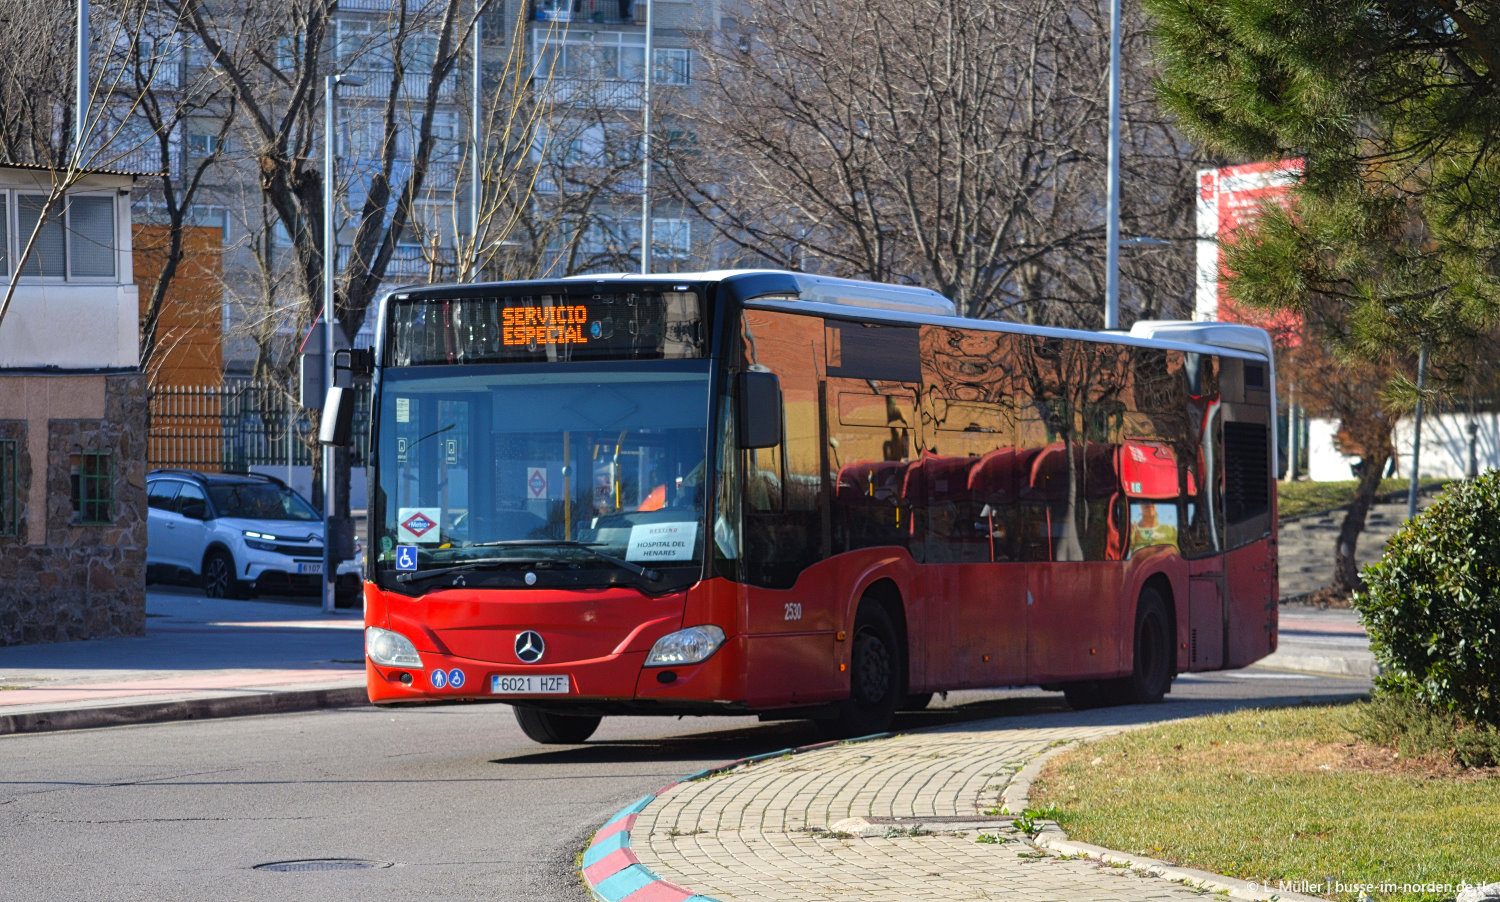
527	466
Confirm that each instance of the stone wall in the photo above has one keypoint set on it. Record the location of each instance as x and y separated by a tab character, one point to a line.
80	581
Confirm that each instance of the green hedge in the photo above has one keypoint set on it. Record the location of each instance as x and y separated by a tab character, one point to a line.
1432	604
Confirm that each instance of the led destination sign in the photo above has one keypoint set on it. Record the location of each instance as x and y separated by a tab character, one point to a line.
535	328
546	325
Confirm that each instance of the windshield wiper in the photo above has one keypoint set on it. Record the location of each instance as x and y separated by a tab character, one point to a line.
408	576
588	547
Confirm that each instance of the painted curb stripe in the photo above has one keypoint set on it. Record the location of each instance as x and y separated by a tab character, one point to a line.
599	850
755	759
635	808
616	826
625	882
609	865
631	881
661	891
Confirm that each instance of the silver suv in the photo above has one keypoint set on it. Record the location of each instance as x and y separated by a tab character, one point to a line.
236	534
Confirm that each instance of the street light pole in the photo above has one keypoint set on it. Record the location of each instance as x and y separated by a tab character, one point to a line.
1112	214
474	141
81	88
330	321
649	76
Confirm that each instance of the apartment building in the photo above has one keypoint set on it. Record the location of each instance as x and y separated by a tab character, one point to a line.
580	210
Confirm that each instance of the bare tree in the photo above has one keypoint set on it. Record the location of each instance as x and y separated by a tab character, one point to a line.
124	118
955	143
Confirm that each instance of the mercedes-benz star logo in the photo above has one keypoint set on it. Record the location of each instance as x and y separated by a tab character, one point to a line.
530	647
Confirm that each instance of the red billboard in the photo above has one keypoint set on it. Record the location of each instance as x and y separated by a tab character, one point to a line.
1229	198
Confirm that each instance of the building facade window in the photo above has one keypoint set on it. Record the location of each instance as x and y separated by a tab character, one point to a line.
671	239
674	65
10	488
77	239
93	485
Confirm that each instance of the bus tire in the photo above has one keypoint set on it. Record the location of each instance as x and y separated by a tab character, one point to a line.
555	729
1151	669
875	669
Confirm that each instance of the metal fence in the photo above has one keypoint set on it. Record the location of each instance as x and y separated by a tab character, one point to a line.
236	426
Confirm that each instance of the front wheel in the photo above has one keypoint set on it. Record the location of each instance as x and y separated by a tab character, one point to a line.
218	576
555	729
875	676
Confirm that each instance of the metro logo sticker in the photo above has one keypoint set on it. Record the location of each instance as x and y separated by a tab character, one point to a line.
536	483
418	525
662	542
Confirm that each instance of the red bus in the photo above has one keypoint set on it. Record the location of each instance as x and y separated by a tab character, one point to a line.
779	494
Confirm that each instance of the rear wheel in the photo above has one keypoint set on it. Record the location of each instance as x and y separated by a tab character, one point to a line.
1151	675
218	576
876	665
555	729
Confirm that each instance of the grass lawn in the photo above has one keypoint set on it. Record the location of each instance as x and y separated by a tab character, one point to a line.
1294	499
1282	795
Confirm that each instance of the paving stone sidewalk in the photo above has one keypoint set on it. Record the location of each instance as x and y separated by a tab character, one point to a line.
780	828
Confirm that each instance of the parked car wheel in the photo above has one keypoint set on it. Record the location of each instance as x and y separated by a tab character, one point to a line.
218	576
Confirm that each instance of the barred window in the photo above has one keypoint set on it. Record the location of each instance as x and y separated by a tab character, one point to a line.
10	488
93	487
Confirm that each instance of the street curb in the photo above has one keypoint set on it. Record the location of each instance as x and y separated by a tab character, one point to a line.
612	872
1360	665
1051	838
182	709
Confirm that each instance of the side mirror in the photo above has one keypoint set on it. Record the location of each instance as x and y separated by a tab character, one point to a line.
758	396
195	509
338	417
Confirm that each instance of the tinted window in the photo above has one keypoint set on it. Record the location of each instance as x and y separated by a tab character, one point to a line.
159	494
190	502
260	501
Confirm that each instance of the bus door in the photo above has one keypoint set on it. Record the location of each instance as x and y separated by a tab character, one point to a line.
982	639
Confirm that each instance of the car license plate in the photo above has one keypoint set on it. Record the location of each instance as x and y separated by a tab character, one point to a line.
310	568
530	684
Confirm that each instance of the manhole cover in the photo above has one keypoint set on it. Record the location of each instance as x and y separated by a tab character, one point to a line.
322	864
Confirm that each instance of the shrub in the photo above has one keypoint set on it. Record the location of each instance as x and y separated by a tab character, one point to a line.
1414	728
1432	604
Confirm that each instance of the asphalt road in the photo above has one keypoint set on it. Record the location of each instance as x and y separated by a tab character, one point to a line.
447	803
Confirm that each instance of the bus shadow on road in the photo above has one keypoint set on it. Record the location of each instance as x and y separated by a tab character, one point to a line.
1028	712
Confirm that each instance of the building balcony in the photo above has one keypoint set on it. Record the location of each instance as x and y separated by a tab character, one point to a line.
604	12
377	86
592	93
384	6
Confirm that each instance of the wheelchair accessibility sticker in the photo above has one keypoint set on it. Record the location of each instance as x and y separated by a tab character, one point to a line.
406	557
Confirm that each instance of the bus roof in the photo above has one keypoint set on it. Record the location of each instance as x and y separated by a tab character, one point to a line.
814	288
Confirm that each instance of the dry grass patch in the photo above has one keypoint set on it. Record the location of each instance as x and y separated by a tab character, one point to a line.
1280	797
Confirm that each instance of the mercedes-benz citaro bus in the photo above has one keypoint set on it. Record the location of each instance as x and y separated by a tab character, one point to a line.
771	493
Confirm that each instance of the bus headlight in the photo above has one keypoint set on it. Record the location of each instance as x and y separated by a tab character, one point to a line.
390	649
687	646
